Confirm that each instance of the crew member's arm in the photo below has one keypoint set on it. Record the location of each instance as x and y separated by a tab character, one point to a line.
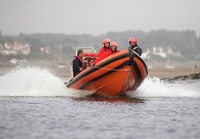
139	50
101	52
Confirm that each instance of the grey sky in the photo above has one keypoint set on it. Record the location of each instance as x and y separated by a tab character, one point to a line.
97	16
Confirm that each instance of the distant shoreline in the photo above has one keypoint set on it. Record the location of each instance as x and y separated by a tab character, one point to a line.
65	71
171	73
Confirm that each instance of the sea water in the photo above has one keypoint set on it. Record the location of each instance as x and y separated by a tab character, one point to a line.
34	103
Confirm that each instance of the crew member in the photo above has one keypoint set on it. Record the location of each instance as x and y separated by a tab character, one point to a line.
78	64
105	47
134	46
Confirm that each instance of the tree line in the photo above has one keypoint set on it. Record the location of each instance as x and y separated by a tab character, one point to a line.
186	42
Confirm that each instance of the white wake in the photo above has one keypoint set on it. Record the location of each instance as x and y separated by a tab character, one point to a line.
34	81
154	87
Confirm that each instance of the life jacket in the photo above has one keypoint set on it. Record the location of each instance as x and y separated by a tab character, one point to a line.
106	49
137	49
113	52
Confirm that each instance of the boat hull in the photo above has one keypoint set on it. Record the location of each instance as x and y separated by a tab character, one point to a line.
112	76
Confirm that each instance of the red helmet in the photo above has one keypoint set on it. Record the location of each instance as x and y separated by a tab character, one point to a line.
133	40
113	44
106	40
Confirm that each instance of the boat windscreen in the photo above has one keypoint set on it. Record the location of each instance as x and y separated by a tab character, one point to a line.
87	50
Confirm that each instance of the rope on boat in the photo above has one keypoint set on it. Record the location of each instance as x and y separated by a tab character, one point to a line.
112	69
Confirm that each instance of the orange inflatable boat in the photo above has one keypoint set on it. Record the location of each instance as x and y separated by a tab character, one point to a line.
112	76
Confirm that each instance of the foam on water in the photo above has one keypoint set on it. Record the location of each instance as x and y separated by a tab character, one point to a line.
34	81
154	87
